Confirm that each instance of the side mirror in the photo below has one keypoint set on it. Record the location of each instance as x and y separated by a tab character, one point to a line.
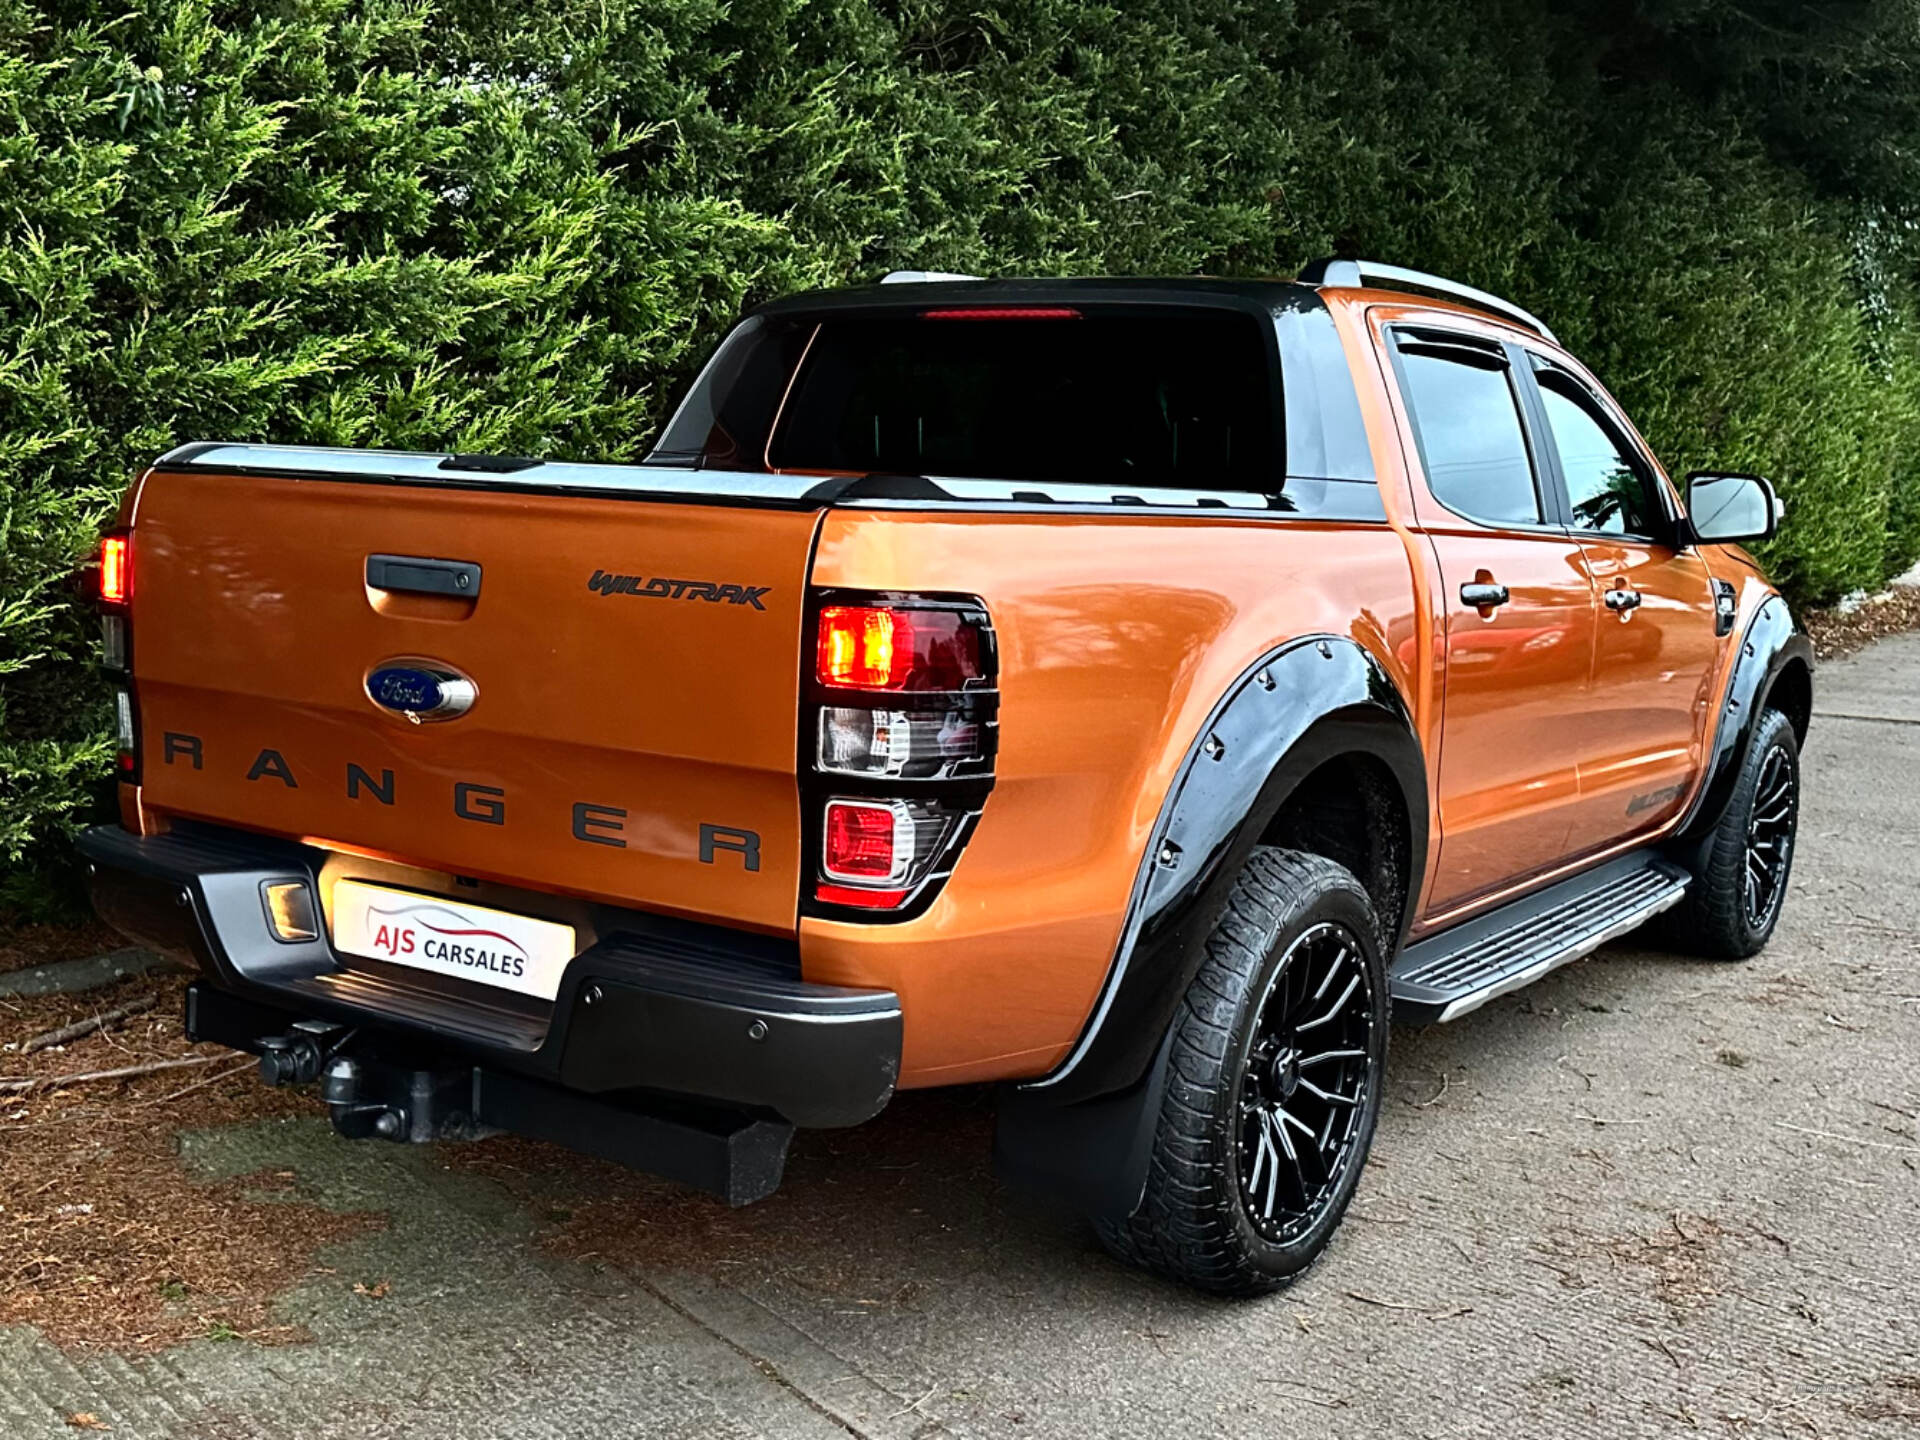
1724	508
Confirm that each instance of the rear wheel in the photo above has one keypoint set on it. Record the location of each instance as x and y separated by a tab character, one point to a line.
1735	899
1274	1087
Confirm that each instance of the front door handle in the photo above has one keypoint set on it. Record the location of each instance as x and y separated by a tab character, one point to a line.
1483	596
1622	600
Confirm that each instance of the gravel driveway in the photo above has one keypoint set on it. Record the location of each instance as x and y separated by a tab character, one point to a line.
1645	1197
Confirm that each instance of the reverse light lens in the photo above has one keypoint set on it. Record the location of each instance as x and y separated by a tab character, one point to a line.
868	841
126	759
116	570
918	745
872	647
290	910
113	641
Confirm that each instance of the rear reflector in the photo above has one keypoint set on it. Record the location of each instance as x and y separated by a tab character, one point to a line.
872	647
860	899
867	841
116	569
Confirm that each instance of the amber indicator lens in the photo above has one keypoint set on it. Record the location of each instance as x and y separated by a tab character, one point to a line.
290	910
116	570
871	647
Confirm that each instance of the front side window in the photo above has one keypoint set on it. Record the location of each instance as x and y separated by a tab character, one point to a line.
1606	491
1471	442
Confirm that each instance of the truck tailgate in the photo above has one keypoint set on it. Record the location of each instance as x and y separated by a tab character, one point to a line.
629	741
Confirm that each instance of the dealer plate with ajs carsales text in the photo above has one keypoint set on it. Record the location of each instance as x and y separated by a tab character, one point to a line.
451	937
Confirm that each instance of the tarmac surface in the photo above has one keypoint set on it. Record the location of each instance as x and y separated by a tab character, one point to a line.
1647	1196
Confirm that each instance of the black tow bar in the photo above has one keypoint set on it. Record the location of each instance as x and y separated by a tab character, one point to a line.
739	1155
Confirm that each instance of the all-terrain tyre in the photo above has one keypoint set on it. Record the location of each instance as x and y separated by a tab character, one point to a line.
1274	1084
1734	901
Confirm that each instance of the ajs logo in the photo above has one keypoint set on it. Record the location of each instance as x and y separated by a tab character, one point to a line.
436	933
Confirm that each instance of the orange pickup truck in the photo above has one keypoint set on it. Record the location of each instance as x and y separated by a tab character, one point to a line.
1130	693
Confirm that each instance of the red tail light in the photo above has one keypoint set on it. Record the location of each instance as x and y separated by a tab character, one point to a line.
870	647
116	569
867	840
898	745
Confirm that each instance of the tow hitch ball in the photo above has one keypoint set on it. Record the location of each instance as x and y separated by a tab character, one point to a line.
366	1098
353	1116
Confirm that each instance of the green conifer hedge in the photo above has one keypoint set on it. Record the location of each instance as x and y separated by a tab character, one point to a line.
517	226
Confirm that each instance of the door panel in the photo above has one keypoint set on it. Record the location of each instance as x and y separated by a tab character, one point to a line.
1517	651
1638	737
1651	690
1508	782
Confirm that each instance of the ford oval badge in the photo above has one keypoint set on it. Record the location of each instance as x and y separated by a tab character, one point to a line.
420	690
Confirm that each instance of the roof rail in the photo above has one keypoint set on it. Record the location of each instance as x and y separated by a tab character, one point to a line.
921	277
1353	274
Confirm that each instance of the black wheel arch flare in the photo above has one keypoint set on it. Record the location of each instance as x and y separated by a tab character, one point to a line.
1772	644
1302	704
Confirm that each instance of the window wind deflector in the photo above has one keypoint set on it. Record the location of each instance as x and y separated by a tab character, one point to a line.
1448	345
490	464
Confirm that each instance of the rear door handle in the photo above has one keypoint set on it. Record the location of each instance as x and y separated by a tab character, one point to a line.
418	575
1622	600
1483	596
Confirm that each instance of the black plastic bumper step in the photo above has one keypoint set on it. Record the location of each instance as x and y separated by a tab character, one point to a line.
1444	976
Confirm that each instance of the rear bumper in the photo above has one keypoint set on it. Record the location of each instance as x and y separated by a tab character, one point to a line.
666	1007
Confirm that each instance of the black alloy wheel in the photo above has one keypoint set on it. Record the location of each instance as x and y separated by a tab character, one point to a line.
1742	866
1273	1085
1305	1083
1770	831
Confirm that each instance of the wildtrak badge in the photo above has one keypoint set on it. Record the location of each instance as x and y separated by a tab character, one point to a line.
604	582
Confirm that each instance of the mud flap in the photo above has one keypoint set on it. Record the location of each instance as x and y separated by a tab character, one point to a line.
1090	1154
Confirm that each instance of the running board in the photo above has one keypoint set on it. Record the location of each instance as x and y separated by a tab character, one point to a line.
1446	975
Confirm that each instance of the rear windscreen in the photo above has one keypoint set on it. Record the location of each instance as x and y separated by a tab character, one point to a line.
1181	399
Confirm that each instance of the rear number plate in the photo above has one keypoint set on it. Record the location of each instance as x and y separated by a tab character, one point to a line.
451	937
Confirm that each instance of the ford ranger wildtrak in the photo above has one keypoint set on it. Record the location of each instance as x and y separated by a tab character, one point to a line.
1131	693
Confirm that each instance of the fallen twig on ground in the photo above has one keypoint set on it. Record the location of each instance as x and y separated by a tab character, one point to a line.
86	1027
125	1072
214	1079
1851	1139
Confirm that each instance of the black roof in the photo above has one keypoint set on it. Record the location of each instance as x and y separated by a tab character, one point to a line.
1211	291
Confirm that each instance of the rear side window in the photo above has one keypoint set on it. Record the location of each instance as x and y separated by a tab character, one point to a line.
1057	395
1468	423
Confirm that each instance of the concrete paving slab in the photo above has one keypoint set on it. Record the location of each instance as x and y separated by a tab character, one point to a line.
1648	1196
76	977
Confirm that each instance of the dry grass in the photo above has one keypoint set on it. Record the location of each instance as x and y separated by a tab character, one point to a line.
105	1240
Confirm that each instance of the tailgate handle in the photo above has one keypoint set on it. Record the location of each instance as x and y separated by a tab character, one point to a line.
418	575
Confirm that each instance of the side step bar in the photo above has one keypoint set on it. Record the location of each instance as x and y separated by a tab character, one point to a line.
1460	969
